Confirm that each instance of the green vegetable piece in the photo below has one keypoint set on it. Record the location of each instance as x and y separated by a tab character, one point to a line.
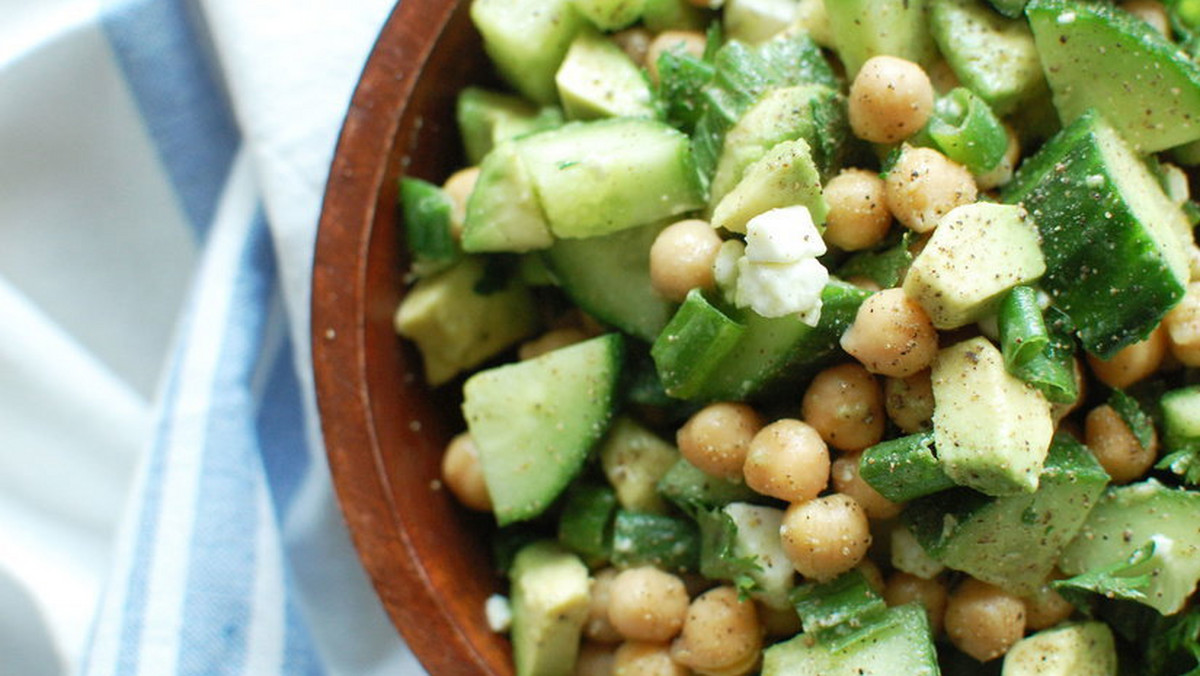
527	40
1135	418
846	599
693	345
598	79
904	468
1023	333
535	422
1009	8
864	28
1072	649
550	592
1115	245
610	15
1181	433
487	118
667	542
754	21
896	641
585	524
681	81
426	210
503	211
1124	521
663	15
1129	579
1014	541
693	491
885	266
967	131
784	176
1052	369
634	459
740	543
1096	57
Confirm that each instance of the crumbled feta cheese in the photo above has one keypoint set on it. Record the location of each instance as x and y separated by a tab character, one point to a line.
776	272
499	613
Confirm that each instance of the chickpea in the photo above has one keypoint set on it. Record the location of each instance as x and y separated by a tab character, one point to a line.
858	217
647	604
1045	608
872	574
1131	363
924	185
890	100
595	659
905	588
891	335
844	403
982	620
597	627
681	258
722	635
847	480
635	42
1152	12
825	537
639	658
1108	436
463	474
680	42
717	438
909	401
550	341
787	460
1183	327
458	188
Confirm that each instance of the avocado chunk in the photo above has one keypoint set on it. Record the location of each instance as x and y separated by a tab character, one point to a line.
503	212
991	430
527	40
784	176
865	28
977	253
1096	56
1137	517
455	327
634	459
598	79
610	15
1076	649
1013	542
550	597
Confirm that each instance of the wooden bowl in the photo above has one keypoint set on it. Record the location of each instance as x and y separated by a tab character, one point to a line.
384	430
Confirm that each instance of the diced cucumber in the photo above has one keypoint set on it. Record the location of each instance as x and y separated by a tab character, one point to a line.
527	39
1115	259
1181	433
1126	519
598	79
784	176
427	228
664	541
610	15
503	211
664	15
1097	57
693	344
993	56
865	28
594	178
756	20
535	422
550	593
690	489
896	641
486	118
1013	542
634	459
608	277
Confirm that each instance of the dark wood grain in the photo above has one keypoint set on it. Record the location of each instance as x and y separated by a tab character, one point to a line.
383	429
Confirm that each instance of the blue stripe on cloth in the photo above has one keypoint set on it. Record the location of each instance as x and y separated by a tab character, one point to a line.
186	111
281	428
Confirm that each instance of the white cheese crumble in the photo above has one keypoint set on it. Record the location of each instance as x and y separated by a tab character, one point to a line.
776	272
498	612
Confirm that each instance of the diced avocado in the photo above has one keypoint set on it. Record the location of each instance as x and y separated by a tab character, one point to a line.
1126	519
455	327
486	118
865	28
608	277
781	114
1075	649
991	430
896	641
1097	57
550	597
610	15
634	459
527	39
1013	542
1115	259
598	79
503	212
535	421
751	548
976	254
597	177
756	20
784	176
992	55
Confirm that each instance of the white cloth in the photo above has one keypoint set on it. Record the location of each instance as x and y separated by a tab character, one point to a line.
165	506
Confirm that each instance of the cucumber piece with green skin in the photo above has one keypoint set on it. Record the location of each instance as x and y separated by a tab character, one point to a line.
1125	520
667	542
585	523
594	178
598	79
993	56
865	28
895	641
1115	257
550	593
609	278
1098	57
503	212
427	215
527	40
536	421
486	118
610	15
1013	542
